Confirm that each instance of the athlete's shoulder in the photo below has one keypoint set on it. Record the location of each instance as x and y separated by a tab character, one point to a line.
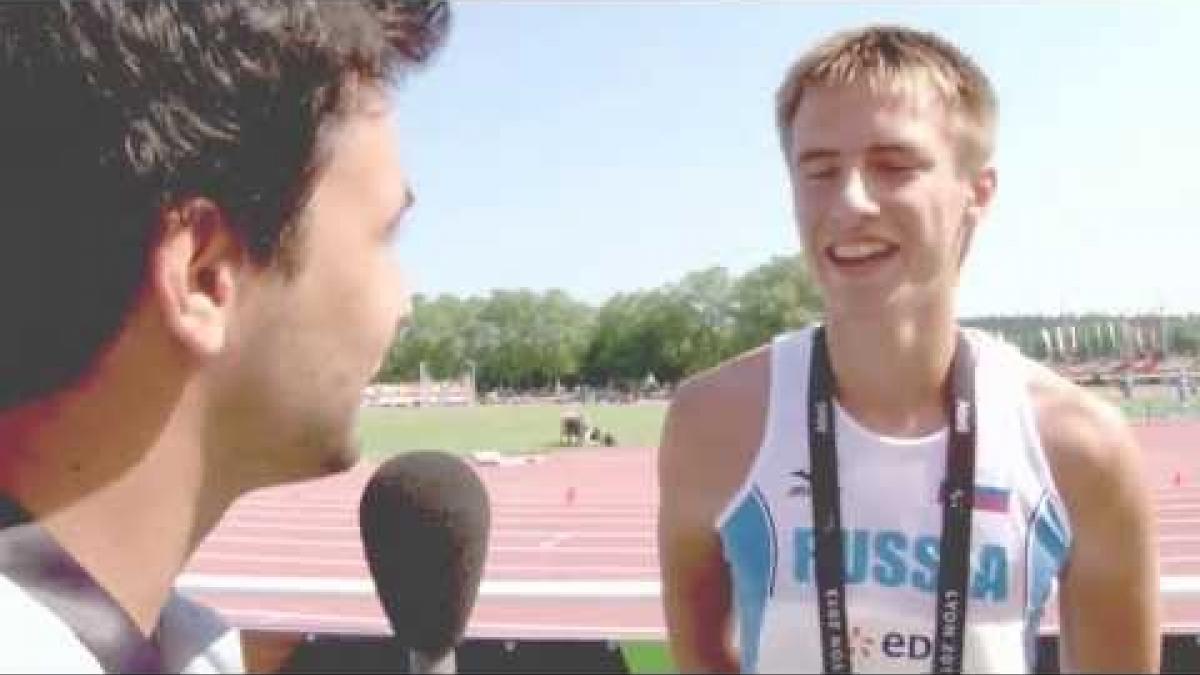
725	406
1110	582
1065	411
1073	419
739	382
713	430
1088	443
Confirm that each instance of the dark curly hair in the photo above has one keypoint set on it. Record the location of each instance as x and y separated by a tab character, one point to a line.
113	111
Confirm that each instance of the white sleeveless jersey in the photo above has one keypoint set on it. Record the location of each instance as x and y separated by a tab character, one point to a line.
892	520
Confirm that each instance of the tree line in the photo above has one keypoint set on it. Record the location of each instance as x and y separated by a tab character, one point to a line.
524	340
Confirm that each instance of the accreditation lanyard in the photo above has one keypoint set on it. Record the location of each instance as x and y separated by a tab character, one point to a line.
957	496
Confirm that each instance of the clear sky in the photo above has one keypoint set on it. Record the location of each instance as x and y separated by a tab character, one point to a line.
606	147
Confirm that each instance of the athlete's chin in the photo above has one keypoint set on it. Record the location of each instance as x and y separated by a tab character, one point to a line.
869	291
884	297
863	301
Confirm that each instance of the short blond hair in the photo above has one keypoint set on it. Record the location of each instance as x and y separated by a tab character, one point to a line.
895	59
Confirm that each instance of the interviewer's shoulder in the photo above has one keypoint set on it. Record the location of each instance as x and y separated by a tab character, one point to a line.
46	644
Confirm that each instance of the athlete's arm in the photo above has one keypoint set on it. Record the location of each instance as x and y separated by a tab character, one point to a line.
712	433
1109	590
696	590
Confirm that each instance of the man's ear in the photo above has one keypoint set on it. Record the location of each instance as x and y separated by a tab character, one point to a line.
981	189
194	270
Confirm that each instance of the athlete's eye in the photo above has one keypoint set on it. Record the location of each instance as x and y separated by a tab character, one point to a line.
821	173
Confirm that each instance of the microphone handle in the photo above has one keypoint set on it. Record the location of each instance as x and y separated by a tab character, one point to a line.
419	662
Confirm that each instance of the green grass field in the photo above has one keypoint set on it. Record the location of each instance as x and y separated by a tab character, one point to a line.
534	428
505	428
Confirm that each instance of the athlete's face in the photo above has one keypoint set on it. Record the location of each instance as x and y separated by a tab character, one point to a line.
884	206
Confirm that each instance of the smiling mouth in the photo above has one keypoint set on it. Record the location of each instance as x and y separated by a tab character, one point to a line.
860	253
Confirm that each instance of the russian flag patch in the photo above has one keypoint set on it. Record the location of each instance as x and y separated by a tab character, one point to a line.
986	498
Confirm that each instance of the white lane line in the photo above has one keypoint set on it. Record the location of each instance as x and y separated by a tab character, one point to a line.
555	547
350	525
314	621
575	534
494	567
318	622
619	589
498	588
552	542
283	527
510	629
1180	585
494	553
557	501
547	510
547	497
1179	521
220	541
1168	508
540	520
549	540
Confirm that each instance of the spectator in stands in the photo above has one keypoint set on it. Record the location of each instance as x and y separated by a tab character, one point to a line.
1183	385
197	203
1127	383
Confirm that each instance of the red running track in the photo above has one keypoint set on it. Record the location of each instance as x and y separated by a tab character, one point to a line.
572	552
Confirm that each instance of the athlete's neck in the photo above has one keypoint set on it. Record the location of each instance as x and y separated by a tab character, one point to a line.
891	371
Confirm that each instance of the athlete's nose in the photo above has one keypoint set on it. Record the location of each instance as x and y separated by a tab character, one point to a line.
854	201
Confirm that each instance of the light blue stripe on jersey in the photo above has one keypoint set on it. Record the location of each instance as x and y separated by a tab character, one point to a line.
1049	543
748	537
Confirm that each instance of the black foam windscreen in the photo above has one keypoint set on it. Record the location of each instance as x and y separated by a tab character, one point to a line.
424	518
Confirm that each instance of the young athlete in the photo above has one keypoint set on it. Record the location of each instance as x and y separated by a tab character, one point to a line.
888	492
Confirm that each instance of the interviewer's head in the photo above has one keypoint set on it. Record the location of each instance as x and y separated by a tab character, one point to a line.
196	203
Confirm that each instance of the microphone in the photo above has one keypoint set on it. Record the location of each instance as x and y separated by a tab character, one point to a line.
424	518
